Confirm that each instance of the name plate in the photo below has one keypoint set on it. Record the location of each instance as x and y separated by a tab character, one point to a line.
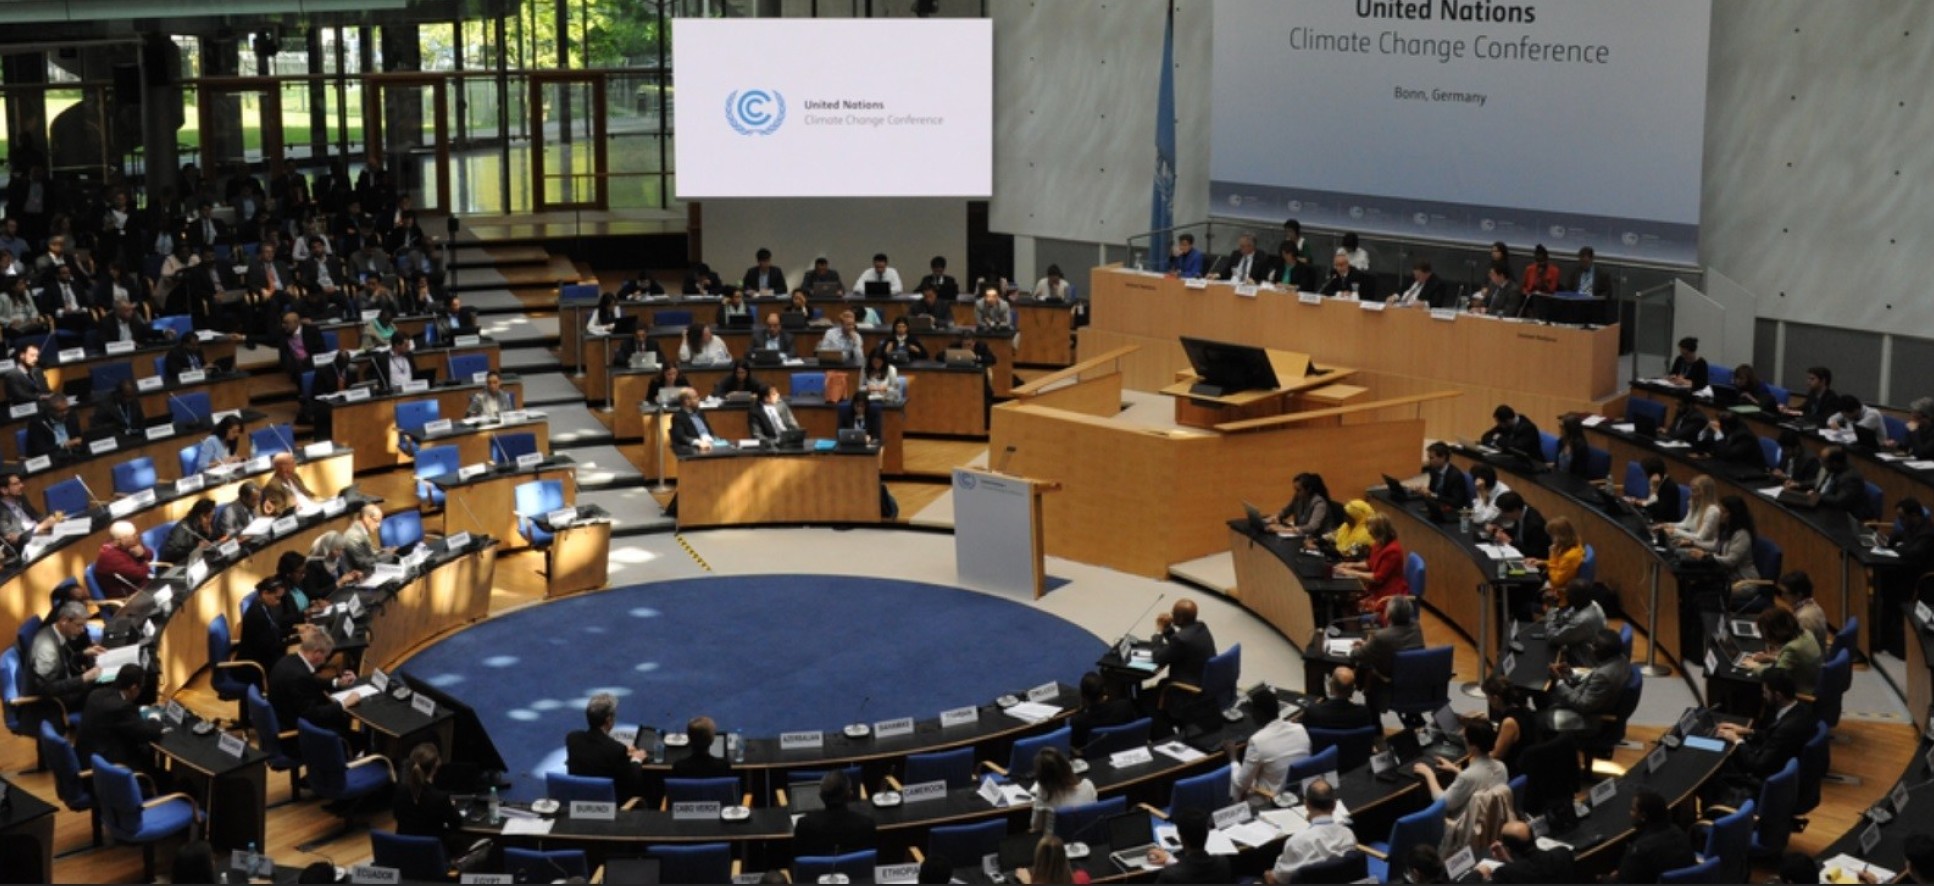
1309	298
197	572
591	810
1447	314
896	873
1923	614
175	713
1246	290
488	879
160	432
379	680
469	471
318	450
7	365
145	496
321	360
38	463
516	415
1130	757
460	540
370	873
120	347
440	426
801	741
922	791
1509	665
561	516
334	506
1603	792
191	484
192	376
1460	864
105	444
1712	661
230	549
1898	797
1654	760
1869	838
355	395
466	341
232	745
893	728
959	717
23	410
1372	305
696	811
355	605
122	508
71	355
477	378
529	460
151	383
415	386
282	526
1196	283
348	627
1230	816
257	464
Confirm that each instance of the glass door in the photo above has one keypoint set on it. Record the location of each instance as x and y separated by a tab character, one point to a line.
406	119
240	121
568	141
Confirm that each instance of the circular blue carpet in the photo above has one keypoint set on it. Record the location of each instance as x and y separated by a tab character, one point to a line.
759	654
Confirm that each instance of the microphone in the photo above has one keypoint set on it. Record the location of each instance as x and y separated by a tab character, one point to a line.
1331	629
91	500
194	420
861	710
283	437
1210	273
1138	619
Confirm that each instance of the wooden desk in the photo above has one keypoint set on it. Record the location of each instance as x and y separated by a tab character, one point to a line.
487	505
369	426
600	350
794	487
142	359
474	442
818	418
1540	370
579	559
453	591
1194	410
1270	585
225	392
1047	332
1458	573
438	358
97	471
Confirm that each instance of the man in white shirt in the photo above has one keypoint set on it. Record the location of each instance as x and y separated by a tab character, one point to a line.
1325	839
1481	773
1270	751
399	369
1854	414
880	274
845	338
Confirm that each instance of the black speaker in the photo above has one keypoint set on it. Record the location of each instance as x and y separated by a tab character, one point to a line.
127	84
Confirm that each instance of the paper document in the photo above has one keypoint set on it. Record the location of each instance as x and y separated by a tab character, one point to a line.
536	826
1179	752
1921	465
1592	421
111	661
1772	491
1252	834
1286	821
1032	711
1546	844
1220	844
1501	552
359	692
1847	868
257	526
1339	647
1625	427
1673	444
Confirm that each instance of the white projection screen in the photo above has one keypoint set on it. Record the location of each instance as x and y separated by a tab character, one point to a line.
1566	122
834	108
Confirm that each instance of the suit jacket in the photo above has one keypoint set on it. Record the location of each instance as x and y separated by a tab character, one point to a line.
775	280
230	519
701	764
1336	713
709	282
480	403
1196	867
180	360
1259	265
1435	292
1597	691
630	348
834	831
1601	282
281	495
761	336
595	754
56	669
10	523
1653	851
685	430
1298	275
762	426
298	693
312	345
463	322
430	815
113	727
311	268
1528	534
942	310
142	331
1341	285
1505	300
265	638
1539	866
198	233
40	432
122	417
1520	437
1451	487
1775	740
1741	447
359	548
947	286
1846	491
52	302
258	275
1379	650
25	385
1185	650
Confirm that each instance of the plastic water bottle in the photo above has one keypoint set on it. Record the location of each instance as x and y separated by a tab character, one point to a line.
252	859
493	810
658	747
1464	521
737	743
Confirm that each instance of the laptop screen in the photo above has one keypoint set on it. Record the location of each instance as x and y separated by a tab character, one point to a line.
1395	486
1130	831
1017	851
1404	744
1448	722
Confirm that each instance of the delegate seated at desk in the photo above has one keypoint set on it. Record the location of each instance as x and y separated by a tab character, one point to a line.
1513	433
822	275
738	380
1701	522
19	521
55	432
1688	370
1245	265
1658	844
1520	526
771	418
1099	709
689	431
361	547
992	311
772	337
1732	547
641	284
900	347
26	382
1485	488
1501	298
930	305
1479	774
284	491
1183	259
1382	572
1308	511
834	829
1259	767
122	566
699	763
1595	691
702	280
1337	710
191	536
701	348
1182	643
734	310
1375	657
1426	289
1442	480
120	411
639	343
297	692
880	273
270	624
61	671
1573	619
669	377
845	338
1819	398
592	753
763	277
1345	279
492	402
1788	648
1727	438
1850	413
112	725
1784	726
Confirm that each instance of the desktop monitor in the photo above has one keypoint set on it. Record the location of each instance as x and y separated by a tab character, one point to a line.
1226	368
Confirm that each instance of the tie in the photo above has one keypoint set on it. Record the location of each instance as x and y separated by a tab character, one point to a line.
1242	269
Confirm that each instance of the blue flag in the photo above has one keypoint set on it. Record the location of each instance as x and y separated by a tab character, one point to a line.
1161	215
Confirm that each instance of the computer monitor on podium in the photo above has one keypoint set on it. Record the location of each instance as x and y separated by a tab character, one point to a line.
1223	368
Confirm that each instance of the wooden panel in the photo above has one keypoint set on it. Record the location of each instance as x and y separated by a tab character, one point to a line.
778	488
1456	579
224	393
1920	684
97	471
1046	334
1098	396
369	426
579	559
819	420
473	444
488	506
1162	497
1270	589
449	597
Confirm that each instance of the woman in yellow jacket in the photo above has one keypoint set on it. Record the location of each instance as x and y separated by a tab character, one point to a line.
1567	554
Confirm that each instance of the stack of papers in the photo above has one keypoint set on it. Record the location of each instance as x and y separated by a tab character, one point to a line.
1032	711
1339	647
1179	752
359	691
1844	868
535	826
1254	833
1500	552
1285	821
111	661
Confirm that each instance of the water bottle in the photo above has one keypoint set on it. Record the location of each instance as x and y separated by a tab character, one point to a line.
492	810
737	744
658	746
1464	521
251	860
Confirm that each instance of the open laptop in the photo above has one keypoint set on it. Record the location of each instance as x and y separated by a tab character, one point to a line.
1862	533
827	289
792	439
1448	725
765	357
850	439
833	357
737	321
920	323
1398	491
959	357
877	289
626	325
645	360
792	320
1865	437
668	397
1017	851
1130	836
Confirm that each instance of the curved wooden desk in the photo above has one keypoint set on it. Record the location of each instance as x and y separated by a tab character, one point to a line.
369	426
818	417
743	487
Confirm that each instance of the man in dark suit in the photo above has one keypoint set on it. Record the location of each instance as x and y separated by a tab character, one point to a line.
1502	298
19	520
700	763
56	431
205	231
1245	265
1337	710
324	273
112	725
639	343
1587	278
690	433
946	286
1194	864
268	275
764	277
298	343
702	280
931	305
61	670
185	356
120	409
1376	657
1513	433
834	830
593	753
453	319
1442	480
772	337
1520	526
1345	279
1658	846
266	631
1099	708
771	417
26	382
1426	289
1784	726
1183	643
296	691
1599	689
63	300
1841	487
123	324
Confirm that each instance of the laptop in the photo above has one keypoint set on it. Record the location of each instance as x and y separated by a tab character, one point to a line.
1130	836
626	325
1398	491
737	321
832	357
765	357
1724	395
645	360
877	289
827	289
739	397
851	439
959	357
1862	533
1866	438
920	323
792	439
1017	851
792	320
668	397
1450	727
1797	498
1256	522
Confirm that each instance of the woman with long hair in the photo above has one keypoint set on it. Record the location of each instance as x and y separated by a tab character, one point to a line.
1056	786
1382	570
1567	554
1051	863
423	809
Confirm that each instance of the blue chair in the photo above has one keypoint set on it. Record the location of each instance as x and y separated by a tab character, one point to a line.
1350	867
1685	500
192	408
188	459
535	499
134	475
1876	500
271	440
505	449
673	318
307	383
1219	677
1421	680
1020	759
1470	486
1353	746
1816	758
1896	428
1769	449
1076	822
1611	727
1639	407
94	588
1519	784
68	496
418	859
1847	638
1777	798
1829	693
1312	765
564	788
284	754
331	341
1210	790
1704	872
697	863
1730	839
1781	395
179	324
13	693
155	536
411	416
1415	574
73	789
1425	826
401	529
464	366
20	442
131	818
1767	557
538	866
108	376
1548	446
965	844
230	679
1637	485
24	636
1588	570
1719	375
857	866
808	385
955	767
1598	463
1106	740
332	775
1625	639
435	461
724	791
585	292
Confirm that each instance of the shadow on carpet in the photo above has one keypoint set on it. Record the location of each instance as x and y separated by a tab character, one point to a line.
759	654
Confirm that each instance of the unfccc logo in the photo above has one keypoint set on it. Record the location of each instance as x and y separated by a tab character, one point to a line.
755	111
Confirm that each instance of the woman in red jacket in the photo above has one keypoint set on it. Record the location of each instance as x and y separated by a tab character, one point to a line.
1382	572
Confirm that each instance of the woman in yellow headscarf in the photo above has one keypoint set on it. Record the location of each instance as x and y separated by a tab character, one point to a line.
1354	531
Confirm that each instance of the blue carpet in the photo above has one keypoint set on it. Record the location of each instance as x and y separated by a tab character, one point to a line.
759	654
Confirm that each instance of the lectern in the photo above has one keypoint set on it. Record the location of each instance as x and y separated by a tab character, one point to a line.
998	544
